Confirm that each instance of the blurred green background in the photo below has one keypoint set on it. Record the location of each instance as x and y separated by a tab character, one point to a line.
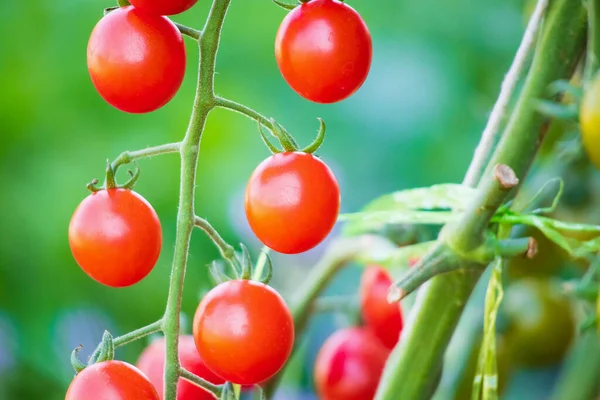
436	71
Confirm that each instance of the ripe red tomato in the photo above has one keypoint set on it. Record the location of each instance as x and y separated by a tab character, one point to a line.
163	7
115	236
152	363
136	60
349	365
324	50
114	380
292	202
244	331
383	318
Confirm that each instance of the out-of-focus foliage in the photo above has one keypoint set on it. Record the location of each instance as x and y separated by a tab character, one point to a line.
437	68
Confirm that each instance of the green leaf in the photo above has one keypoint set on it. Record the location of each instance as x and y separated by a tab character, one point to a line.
437	204
551	109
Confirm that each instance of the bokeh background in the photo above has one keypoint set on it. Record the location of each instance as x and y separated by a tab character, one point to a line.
436	72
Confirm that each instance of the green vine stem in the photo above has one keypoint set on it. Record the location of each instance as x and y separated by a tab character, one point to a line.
413	365
338	254
138	334
227	251
189	151
216	390
127	157
492	130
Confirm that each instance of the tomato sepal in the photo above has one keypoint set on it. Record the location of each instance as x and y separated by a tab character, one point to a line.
105	350
77	364
285	6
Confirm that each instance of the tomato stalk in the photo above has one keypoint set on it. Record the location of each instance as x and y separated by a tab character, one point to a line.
190	146
414	363
592	62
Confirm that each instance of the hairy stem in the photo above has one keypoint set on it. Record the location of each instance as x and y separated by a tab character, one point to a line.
138	334
129	156
244	110
215	390
413	365
189	150
227	251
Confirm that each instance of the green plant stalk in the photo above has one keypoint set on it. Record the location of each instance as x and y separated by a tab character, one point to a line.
189	150
580	377
227	251
138	334
129	156
414	363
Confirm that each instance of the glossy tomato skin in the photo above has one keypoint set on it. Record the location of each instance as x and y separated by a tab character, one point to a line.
152	363
589	120
244	331
292	202
115	236
324	49
383	318
136	60
349	365
163	7
114	380
541	322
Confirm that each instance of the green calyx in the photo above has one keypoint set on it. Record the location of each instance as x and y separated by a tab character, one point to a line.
243	268
110	180
287	141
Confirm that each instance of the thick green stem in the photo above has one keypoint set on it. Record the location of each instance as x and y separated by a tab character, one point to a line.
415	362
189	150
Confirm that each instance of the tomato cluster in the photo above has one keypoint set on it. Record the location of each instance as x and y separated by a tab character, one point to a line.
350	363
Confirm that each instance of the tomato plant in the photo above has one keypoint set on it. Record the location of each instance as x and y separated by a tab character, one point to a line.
163	7
589	120
292	201
136	76
324	50
152	363
541	322
114	380
383	318
244	331
349	365
115	236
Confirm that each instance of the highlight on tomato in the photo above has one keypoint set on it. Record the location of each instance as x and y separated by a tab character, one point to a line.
349	365
115	236
152	363
324	49
163	7
383	318
136	60
114	380
244	331
292	202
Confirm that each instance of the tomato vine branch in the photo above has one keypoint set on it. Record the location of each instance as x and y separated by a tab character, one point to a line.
138	333
227	251
413	365
215	390
129	156
492	130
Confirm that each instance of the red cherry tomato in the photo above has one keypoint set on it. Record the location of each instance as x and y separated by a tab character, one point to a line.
244	331
383	318
136	60
152	363
292	202
349	365
163	7
323	49
114	380
115	236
